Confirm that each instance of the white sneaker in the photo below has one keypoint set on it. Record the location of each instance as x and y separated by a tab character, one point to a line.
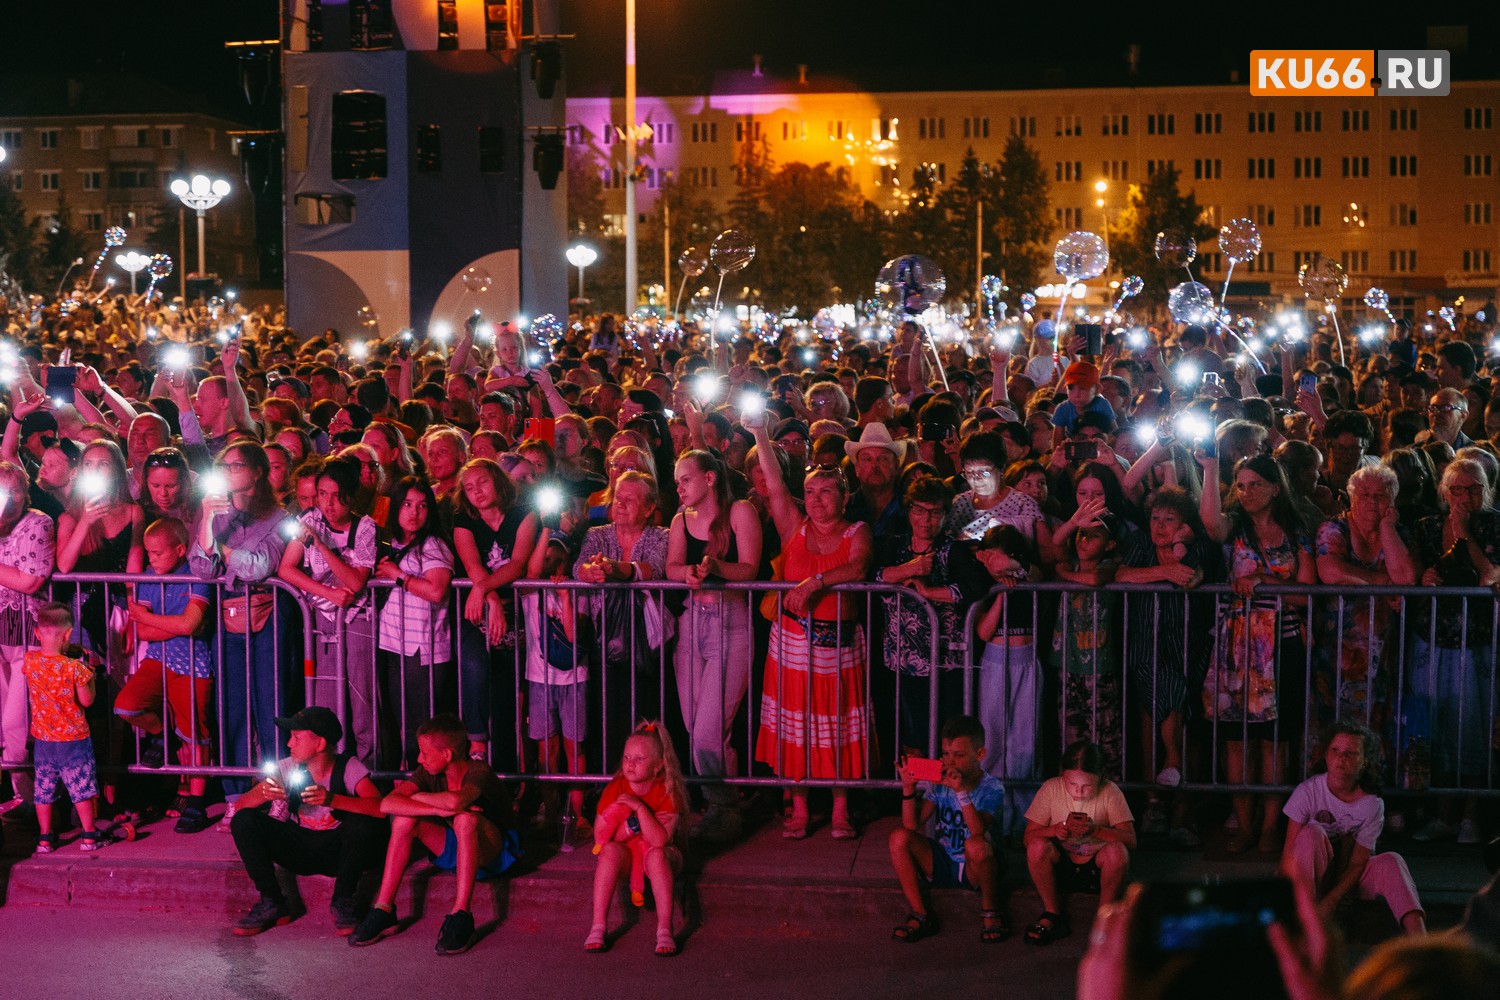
1169	777
223	824
1468	832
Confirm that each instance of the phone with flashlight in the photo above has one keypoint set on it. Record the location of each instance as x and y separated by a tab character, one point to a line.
1308	383
925	769
936	430
1081	451
60	383
1212	378
1093	337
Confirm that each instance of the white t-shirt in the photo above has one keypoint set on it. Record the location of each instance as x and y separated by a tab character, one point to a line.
1106	809
1312	804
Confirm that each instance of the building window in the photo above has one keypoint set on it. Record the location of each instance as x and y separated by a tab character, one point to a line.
1308	216
1070	218
1356	121
126	178
429	149
10	138
93	222
51	180
1070	125
17	181
976	128
1307	121
1403	215
1477	214
1305	167
747	129
1477	165
1068	171
1356	166
1262	121
1023	127
1209	216
1478	118
1262	169
48	137
1207	170
1476	260
1155	166
932	128
792	131
1355	261
88	137
578	135
1403	261
1116	170
1264	215
707	132
357	142
663	132
1403	166
168	138
1211	263
1403	119
1116	125
93	180
1208	124
1263	262
1160	124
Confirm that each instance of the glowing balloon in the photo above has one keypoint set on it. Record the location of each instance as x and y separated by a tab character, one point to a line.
989	286
1192	302
910	284
161	265
731	251
114	236
1080	256
1323	278
1028	301
1376	298
1131	286
476	279
1240	240
1447	315
692	262
1175	249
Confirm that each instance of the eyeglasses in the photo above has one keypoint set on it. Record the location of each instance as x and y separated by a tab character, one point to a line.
168	460
1469	491
235	466
980	474
1444	408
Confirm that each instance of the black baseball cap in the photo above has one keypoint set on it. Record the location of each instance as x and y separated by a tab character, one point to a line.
316	720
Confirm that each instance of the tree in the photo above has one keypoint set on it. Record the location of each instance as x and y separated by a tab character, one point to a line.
585	192
18	241
818	241
1152	208
62	243
1023	223
975	184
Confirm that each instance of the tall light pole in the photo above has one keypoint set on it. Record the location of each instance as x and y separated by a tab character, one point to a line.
631	281
581	256
200	194
135	262
1101	187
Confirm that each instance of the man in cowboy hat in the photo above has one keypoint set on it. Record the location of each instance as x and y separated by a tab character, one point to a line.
877	466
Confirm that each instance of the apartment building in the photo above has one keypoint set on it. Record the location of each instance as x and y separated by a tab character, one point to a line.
112	145
1404	192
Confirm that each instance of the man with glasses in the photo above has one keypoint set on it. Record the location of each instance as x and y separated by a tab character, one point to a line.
1346	440
1446	411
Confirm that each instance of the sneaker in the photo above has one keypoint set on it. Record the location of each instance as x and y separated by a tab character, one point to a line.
153	753
194	819
1435	829
1169	777
719	825
265	914
226	819
1468	832
281	811
457	935
377	923
345	915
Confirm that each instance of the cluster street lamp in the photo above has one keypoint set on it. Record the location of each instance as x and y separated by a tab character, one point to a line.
200	194
135	262
581	256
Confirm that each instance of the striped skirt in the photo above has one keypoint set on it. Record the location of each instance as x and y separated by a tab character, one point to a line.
814	713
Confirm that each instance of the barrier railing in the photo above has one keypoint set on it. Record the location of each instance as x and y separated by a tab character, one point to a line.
1161	677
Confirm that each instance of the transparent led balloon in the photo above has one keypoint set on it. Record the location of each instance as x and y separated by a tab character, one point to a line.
1378	299
1080	256
731	251
1028	301
1322	277
1175	249
692	262
910	284
1239	239
476	279
1192	302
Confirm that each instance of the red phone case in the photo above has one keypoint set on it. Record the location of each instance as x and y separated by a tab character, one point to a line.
925	769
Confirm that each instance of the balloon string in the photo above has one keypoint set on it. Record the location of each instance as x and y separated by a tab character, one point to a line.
937	360
713	331
1338	334
1224	295
1219	321
677	307
98	263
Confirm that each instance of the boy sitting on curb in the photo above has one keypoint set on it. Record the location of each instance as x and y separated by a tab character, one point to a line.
958	854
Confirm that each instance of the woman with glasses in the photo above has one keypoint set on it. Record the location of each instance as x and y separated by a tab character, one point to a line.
989	501
239	544
625	458
1446	703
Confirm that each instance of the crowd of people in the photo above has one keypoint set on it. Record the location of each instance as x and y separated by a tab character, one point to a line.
405	490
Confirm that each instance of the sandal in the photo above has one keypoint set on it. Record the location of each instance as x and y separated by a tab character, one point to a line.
178	806
666	944
993	933
46	843
793	828
917	927
1057	926
842	829
595	944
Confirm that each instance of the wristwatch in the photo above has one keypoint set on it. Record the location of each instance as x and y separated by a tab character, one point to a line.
818	579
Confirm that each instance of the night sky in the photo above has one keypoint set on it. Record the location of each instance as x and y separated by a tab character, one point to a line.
877	44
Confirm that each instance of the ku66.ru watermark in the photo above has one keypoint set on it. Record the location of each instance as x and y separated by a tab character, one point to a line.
1350	73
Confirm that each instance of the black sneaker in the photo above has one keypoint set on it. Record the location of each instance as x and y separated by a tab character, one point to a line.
264	915
345	916
153	753
457	935
376	925
194	819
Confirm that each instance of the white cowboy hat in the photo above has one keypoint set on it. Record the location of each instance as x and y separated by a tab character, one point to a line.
875	435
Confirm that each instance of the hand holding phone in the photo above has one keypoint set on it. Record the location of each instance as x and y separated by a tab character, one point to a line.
925	769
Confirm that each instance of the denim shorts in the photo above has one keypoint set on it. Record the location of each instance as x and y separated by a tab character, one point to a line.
70	763
547	705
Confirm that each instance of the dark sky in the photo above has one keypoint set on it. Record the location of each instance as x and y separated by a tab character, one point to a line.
907	44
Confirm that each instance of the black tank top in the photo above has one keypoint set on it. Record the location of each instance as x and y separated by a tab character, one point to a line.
697	548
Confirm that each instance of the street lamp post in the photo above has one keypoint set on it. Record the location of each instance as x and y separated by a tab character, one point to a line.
581	256
200	194
1101	187
135	262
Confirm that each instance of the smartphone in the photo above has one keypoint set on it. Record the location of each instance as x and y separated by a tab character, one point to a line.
933	430
1308	383
1078	817
60	382
1093	337
1215	925
544	428
1081	451
1212	378
925	769
381	515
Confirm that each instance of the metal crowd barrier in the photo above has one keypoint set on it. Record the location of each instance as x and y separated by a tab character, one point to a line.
1435	708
